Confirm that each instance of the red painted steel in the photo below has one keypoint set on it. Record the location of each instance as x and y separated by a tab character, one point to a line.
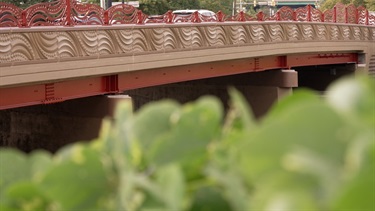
72	12
12	97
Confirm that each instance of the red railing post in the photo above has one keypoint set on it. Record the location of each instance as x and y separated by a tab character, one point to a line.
260	16
309	13
294	15
220	16
169	16
139	17
346	14
356	16
242	16
196	17
106	18
278	15
334	14
24	22
366	22
68	13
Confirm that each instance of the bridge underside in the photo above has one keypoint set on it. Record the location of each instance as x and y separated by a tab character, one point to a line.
58	91
55	125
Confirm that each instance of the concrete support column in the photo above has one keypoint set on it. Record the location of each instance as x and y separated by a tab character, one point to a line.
261	89
267	88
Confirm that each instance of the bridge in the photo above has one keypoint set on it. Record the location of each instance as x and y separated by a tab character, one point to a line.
64	50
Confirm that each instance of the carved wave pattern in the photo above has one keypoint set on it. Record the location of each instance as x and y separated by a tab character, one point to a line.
88	40
197	37
321	32
276	33
22	49
23	46
140	43
170	40
243	37
345	32
105	43
356	31
156	39
293	32
67	47
365	32
5	48
258	34
307	32
373	33
124	40
47	43
335	32
216	36
233	34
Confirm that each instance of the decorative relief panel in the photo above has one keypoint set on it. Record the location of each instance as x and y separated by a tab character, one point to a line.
59	44
335	33
321	32
307	32
258	34
275	33
292	32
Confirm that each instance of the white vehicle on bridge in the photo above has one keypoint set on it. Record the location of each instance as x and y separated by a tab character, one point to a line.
184	15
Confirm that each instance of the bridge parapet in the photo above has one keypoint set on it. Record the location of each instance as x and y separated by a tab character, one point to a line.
58	43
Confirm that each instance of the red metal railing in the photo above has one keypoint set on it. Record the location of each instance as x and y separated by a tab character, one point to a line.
71	12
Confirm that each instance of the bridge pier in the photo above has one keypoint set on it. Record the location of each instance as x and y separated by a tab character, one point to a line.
261	89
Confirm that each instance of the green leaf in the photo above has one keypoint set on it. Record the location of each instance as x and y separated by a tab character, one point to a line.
40	161
14	167
297	141
172	183
26	196
239	116
153	120
358	192
78	181
354	99
193	128
234	189
209	198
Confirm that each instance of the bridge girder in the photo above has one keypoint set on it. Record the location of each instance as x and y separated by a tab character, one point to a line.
54	92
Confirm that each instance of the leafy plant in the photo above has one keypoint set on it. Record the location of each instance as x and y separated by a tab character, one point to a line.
308	153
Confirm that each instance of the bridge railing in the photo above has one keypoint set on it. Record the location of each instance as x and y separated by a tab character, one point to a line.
72	12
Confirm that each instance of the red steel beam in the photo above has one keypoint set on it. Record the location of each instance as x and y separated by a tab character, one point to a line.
12	97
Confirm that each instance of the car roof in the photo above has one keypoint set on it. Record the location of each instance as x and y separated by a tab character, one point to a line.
192	11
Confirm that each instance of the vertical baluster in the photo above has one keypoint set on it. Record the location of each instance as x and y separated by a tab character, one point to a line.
309	13
260	16
169	16
139	17
334	14
68	13
220	16
242	16
24	21
346	14
106	18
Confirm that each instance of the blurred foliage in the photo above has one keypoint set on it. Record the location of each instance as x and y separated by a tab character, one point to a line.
25	3
308	153
329	4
